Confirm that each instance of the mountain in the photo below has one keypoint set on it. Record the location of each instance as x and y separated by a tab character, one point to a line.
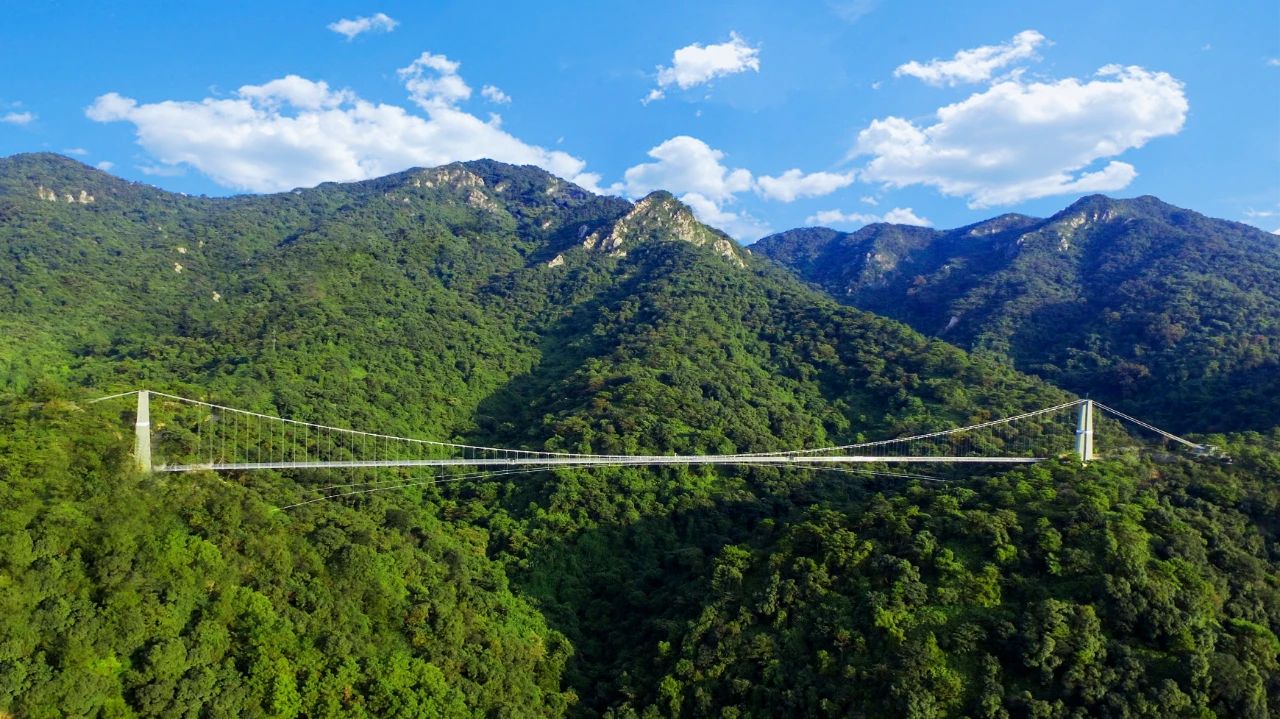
497	304
1158	310
447	285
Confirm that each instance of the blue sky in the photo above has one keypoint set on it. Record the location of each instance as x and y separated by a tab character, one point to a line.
761	115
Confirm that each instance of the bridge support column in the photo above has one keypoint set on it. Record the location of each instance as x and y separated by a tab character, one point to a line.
1084	432
142	433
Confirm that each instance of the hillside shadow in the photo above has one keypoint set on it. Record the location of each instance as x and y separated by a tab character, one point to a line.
1046	331
1192	405
618	590
1238	401
512	414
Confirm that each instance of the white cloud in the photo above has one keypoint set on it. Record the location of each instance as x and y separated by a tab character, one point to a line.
375	23
105	165
1273	61
868	200
687	164
433	82
692	170
695	172
837	217
77	151
1020	140
296	91
495	95
695	64
974	65
1252	213
794	184
905	216
295	132
897	216
18	118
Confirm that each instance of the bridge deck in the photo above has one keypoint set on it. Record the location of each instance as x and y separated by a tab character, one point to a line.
640	460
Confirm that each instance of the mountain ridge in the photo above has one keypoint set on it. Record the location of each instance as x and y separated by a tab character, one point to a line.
1156	308
498	229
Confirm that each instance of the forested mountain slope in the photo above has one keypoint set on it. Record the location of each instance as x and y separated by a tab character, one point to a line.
493	303
428	292
1158	310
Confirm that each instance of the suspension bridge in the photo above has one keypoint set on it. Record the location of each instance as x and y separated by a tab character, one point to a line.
201	436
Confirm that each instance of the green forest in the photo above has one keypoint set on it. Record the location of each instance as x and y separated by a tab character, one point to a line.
468	303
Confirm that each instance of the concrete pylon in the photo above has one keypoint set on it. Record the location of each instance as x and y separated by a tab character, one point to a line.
142	433
1084	432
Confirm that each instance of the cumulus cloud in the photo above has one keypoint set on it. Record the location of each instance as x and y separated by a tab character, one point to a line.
495	95
974	65
1020	140
839	217
696	64
687	164
433	82
105	165
696	173
692	170
295	132
356	26
296	91
896	216
794	184
905	216
18	118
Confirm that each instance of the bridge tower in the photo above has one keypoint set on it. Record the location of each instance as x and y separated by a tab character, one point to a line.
142	433
1084	432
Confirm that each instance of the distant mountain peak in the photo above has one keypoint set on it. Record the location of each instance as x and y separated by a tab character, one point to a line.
507	179
996	225
456	175
660	216
1143	205
1094	208
50	177
454	181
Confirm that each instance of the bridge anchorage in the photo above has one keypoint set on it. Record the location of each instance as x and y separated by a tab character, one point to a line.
198	435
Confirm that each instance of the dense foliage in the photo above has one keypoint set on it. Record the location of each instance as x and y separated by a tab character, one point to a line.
125	594
463	302
1155	309
1046	592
